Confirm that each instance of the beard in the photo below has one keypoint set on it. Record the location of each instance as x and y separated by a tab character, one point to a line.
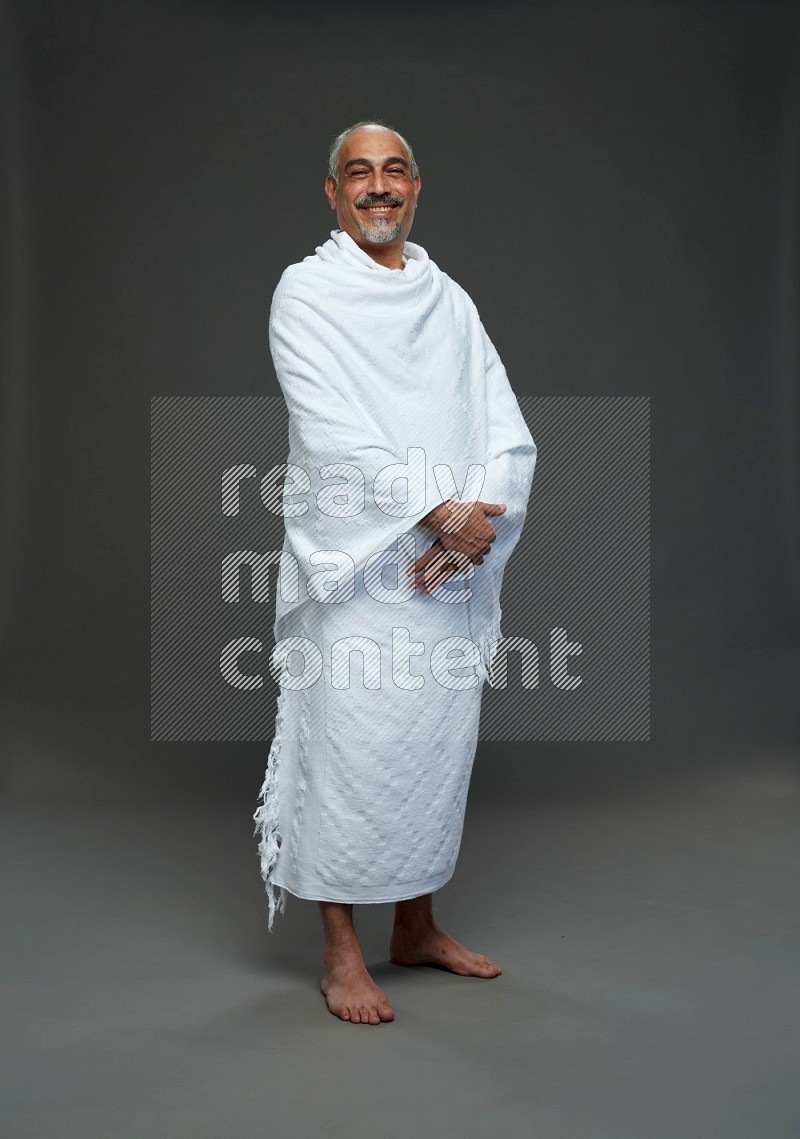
380	232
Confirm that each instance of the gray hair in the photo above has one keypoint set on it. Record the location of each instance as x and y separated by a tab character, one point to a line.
336	146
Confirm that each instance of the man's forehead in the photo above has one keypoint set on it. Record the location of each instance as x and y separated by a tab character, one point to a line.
372	145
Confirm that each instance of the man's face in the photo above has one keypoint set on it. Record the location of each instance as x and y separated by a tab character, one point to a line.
375	196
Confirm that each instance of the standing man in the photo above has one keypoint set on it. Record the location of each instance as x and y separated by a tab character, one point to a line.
408	454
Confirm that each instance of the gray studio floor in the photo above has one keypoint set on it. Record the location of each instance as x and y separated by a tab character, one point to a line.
645	915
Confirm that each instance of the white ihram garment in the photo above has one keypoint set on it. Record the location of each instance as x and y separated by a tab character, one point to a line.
364	794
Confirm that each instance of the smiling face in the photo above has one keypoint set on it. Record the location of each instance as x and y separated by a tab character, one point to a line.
375	196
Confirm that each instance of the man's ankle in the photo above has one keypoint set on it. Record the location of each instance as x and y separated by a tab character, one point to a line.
338	954
413	926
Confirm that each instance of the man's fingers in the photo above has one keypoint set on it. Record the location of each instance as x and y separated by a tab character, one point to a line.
434	575
432	579
493	507
425	565
425	559
438	564
443	564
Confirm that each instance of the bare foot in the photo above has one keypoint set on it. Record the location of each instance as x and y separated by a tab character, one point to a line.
353	995
435	947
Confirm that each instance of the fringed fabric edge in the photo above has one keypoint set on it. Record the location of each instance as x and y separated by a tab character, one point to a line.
267	820
489	645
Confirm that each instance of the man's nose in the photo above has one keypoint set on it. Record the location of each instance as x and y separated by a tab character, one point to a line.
377	183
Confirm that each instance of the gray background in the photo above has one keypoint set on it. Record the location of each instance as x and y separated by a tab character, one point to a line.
616	186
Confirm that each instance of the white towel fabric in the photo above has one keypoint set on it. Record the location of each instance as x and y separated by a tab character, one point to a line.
390	379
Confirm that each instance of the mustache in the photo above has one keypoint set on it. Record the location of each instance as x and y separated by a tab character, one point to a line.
378	200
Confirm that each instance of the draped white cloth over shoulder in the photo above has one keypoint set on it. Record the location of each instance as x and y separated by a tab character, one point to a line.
397	401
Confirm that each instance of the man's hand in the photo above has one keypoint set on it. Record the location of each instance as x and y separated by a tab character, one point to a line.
463	526
437	565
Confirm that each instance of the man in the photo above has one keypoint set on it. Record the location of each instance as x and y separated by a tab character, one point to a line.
390	379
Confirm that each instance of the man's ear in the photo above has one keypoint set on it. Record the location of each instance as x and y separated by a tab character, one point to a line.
330	191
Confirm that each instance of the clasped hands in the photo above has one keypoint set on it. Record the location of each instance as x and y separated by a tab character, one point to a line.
464	536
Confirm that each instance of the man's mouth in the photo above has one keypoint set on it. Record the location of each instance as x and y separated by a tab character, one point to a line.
381	209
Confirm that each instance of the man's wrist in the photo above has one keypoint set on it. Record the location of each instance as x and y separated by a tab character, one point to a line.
436	518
